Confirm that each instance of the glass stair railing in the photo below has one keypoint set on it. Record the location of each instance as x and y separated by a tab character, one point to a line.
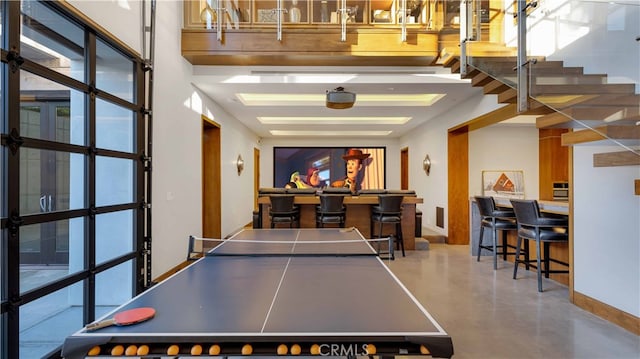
583	63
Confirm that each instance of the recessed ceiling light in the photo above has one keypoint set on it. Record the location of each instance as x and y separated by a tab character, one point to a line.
334	120
386	100
329	133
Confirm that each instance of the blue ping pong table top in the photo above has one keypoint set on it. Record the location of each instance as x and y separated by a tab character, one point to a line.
230	299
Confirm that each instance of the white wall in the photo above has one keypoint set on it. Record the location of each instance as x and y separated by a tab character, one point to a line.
606	231
111	15
504	147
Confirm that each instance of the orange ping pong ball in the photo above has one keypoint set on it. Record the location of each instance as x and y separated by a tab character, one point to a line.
214	349
424	350
173	350
371	349
94	351
315	349
117	350
282	349
143	350
295	349
196	349
247	349
131	350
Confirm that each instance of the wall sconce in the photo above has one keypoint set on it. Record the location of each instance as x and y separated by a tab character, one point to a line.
426	164
240	164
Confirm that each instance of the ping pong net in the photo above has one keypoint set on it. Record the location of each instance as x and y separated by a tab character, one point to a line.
290	243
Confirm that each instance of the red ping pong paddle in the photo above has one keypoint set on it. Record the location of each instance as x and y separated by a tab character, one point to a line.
127	317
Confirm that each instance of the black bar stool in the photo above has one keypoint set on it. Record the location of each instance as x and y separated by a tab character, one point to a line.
283	210
330	210
496	220
532	225
388	210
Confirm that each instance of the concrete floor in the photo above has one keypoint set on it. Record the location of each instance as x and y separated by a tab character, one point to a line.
486	313
490	315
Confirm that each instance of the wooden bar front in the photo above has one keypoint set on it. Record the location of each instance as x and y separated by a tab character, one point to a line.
358	214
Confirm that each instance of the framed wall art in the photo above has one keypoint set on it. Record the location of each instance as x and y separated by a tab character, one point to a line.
506	183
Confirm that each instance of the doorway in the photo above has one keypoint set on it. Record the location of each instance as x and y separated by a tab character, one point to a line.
404	168
211	179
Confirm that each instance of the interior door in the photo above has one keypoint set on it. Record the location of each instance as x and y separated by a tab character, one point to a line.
44	182
404	168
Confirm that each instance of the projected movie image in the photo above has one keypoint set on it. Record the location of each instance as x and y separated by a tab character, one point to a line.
355	168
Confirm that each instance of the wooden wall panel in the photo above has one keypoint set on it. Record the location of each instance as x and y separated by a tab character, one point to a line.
458	187
309	46
553	161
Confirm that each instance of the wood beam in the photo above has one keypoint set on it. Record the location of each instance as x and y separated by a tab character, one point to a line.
503	113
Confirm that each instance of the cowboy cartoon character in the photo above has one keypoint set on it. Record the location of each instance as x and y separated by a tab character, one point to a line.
354	159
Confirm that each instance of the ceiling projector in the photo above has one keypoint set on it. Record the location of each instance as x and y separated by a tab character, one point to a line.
340	99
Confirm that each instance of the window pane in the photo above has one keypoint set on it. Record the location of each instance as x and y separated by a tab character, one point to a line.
50	251
114	181
114	287
114	235
52	40
3	183
114	127
46	322
114	72
51	111
3	273
3	334
3	124
50	181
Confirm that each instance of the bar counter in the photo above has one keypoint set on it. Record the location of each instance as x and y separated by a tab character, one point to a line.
358	214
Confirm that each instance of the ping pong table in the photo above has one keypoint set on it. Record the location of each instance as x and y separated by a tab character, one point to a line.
321	292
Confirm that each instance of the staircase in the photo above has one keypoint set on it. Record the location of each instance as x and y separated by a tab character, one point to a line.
592	110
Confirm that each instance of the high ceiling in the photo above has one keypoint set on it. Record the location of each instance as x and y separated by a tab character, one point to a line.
223	84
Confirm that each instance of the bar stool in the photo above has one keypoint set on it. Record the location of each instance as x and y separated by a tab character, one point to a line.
283	210
496	220
532	225
330	210
388	210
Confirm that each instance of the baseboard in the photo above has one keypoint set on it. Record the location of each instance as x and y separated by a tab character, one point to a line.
614	315
171	271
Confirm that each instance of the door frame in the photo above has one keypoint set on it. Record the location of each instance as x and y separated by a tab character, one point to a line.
211	179
256	177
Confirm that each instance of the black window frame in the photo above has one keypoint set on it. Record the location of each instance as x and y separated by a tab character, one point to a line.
12	63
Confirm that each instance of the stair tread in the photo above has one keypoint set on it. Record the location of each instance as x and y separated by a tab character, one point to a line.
591	116
629	135
612	159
